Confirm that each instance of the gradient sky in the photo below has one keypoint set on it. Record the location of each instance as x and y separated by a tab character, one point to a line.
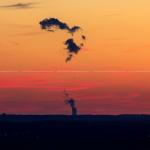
118	40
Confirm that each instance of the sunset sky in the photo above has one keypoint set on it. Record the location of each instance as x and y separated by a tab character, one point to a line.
110	75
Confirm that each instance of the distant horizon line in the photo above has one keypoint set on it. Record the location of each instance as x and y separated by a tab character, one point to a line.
5	114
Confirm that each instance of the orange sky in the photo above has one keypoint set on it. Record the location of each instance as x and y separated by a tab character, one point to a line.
118	37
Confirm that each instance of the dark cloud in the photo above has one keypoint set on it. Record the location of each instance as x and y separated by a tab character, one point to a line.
69	57
72	47
83	37
19	5
48	24
74	29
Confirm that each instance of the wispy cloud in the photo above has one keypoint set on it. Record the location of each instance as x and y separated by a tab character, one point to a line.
19	5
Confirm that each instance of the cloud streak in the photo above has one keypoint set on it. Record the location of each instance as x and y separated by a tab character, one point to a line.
19	5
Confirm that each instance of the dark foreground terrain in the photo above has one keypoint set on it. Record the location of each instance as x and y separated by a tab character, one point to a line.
124	132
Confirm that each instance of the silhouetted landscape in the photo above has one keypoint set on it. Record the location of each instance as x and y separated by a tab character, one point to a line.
75	132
